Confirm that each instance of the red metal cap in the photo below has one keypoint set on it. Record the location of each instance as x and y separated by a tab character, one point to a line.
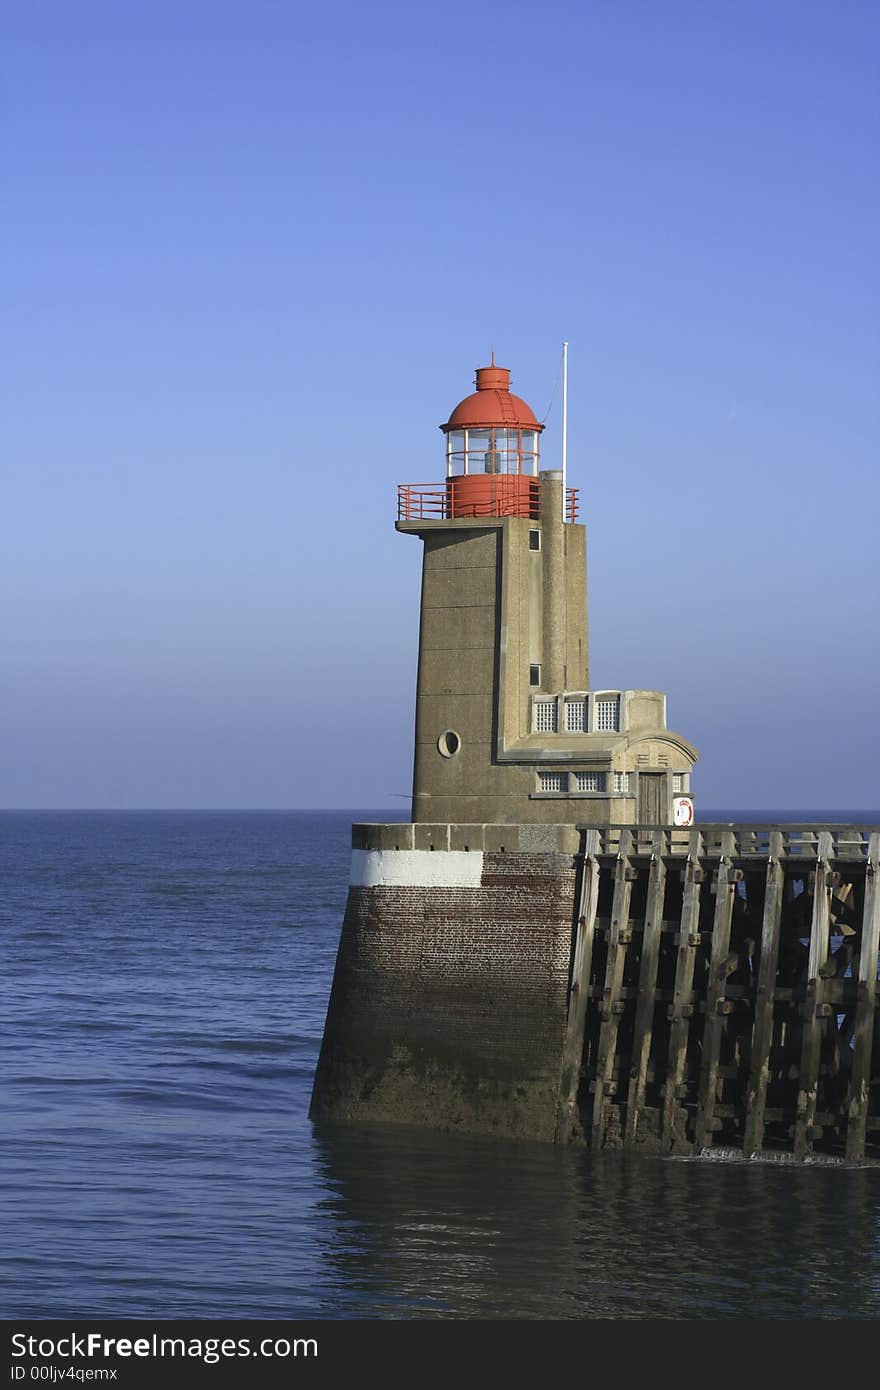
493	378
493	403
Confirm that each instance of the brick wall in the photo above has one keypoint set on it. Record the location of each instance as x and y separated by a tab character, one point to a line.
448	1005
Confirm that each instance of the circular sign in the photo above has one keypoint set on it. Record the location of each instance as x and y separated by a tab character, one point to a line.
682	810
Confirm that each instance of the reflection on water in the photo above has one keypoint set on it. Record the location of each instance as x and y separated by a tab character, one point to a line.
434	1226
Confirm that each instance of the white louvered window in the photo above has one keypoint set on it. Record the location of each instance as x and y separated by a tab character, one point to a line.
575	716
621	783
589	781
545	717
553	781
608	714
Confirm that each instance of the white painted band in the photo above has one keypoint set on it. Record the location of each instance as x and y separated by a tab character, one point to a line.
416	868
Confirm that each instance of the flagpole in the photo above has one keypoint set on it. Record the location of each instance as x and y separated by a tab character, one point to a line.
564	425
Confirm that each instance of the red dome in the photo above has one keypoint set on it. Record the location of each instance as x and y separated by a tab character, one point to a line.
492	403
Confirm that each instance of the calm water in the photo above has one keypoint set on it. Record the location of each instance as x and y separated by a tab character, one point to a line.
165	985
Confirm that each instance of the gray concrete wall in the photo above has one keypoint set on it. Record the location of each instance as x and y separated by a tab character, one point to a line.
491	608
577	649
457	662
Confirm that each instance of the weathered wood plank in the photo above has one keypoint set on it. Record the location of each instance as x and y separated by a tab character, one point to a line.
718	972
857	1109
762	1032
814	1023
573	1047
644	1020
674	1137
617	944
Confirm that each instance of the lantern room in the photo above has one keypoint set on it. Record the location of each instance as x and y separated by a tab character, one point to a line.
492	450
492	431
492	459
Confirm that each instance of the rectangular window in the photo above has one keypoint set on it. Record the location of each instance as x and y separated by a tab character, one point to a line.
534	540
534	675
575	716
545	716
621	783
679	782
608	714
553	781
589	781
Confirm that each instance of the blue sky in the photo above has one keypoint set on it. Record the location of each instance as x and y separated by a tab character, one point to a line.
253	254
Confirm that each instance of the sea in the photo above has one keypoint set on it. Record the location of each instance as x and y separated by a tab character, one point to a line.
164	989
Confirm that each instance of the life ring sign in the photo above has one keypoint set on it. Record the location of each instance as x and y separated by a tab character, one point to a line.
682	810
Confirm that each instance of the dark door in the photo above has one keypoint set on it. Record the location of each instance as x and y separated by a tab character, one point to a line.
650	798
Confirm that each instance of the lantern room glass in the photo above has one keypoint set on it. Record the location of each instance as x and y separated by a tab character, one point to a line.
491	449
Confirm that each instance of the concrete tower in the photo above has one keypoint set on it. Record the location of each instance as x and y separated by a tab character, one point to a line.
507	728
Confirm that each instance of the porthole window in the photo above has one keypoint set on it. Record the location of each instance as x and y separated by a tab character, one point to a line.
448	743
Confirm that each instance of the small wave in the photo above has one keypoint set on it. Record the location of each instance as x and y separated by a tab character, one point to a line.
172	1098
777	1156
100	1025
267	1045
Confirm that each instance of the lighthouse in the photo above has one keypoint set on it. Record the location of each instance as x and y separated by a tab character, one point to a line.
552	948
508	729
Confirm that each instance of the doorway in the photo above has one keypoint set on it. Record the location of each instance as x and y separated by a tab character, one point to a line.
651	799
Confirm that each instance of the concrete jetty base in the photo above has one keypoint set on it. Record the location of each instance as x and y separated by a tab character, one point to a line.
676	990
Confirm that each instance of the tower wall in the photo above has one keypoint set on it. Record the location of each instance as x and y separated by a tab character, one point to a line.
457	662
492	608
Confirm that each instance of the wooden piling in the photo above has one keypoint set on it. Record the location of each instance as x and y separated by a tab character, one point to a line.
866	1007
814	1003
681	1011
762	1032
628	1066
573	1047
718	971
618	938
644	1020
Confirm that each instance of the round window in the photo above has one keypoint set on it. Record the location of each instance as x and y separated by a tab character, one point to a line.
449	743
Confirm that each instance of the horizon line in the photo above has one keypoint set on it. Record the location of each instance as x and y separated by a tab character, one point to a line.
291	810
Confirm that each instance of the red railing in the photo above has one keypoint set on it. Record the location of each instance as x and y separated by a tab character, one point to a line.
422	502
458	497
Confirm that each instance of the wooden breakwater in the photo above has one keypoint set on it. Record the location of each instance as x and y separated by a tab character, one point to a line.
711	990
723	991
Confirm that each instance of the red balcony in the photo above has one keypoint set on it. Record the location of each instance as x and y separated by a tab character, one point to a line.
477	495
